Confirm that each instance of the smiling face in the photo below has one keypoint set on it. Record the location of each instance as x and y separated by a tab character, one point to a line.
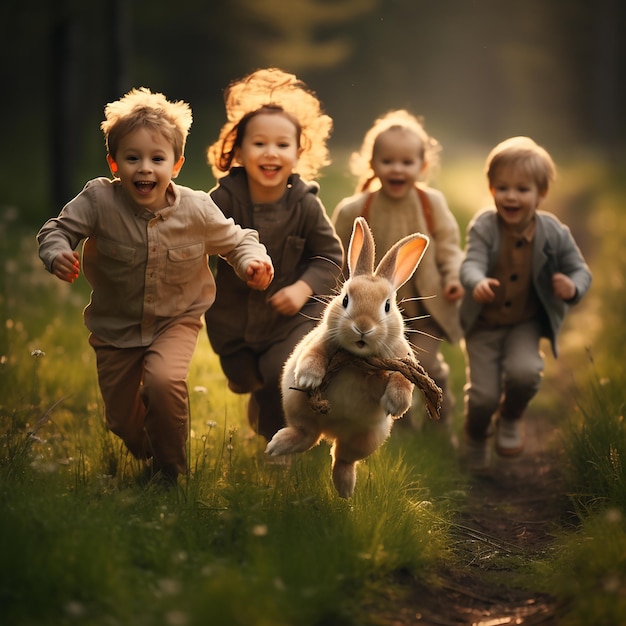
516	195
397	161
269	153
145	164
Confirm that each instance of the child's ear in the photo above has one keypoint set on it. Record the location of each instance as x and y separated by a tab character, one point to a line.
177	166
112	165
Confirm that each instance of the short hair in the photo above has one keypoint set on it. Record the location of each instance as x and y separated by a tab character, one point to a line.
400	119
276	92
140	108
525	153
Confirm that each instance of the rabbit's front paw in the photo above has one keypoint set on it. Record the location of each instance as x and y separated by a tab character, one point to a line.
309	373
398	395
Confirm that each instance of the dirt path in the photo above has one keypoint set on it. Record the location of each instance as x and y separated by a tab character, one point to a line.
510	517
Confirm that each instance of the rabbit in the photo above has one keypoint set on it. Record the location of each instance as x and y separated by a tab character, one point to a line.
364	320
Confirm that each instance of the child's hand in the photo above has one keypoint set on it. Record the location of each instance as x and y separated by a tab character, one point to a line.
66	266
563	286
483	292
260	275
453	291
289	300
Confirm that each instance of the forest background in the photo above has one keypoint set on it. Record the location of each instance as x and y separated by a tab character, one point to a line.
478	71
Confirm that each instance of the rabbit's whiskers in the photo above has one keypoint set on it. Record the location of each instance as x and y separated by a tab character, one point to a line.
416	299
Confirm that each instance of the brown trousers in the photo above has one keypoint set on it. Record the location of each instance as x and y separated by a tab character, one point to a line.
145	394
259	372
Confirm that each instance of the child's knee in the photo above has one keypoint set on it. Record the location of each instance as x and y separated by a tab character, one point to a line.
524	378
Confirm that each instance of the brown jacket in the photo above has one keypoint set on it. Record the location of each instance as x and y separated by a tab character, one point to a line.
303	245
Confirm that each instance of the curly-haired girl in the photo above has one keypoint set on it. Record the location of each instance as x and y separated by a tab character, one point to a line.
275	134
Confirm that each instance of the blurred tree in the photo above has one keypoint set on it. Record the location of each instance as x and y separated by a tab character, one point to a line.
476	71
295	39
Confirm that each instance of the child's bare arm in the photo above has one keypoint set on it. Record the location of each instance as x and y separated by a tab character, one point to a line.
66	266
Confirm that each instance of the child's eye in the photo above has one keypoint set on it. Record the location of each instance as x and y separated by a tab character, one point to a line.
158	159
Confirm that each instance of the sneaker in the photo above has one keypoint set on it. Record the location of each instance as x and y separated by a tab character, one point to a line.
509	437
476	454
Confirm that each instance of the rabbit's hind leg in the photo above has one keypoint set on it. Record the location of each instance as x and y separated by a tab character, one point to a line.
290	439
344	477
347	452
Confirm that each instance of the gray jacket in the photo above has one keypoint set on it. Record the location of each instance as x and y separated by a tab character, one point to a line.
554	250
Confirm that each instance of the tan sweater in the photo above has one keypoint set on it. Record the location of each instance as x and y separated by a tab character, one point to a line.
390	220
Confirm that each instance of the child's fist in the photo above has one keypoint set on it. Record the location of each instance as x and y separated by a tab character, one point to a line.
483	292
260	275
66	266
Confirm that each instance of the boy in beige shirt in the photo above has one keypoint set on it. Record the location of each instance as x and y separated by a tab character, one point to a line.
146	258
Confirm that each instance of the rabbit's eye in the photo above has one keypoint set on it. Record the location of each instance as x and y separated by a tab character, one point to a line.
387	306
345	301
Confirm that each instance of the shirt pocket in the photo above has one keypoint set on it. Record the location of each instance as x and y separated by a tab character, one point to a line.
183	263
115	259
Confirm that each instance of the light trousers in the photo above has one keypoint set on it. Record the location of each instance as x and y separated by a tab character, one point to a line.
504	368
145	394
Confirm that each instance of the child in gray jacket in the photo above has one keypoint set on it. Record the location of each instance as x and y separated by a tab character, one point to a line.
522	270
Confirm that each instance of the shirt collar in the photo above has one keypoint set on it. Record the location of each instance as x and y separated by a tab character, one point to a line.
527	234
173	197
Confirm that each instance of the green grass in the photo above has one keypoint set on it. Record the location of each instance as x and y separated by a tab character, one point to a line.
241	541
586	567
244	541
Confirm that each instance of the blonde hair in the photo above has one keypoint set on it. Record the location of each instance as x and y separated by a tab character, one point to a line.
525	153
361	161
277	92
140	108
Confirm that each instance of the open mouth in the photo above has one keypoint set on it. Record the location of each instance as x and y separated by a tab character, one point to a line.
360	344
145	186
396	184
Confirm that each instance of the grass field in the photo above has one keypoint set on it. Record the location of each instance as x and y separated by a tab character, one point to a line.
246	541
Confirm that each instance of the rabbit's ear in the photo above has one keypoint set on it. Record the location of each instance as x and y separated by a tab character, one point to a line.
361	249
398	265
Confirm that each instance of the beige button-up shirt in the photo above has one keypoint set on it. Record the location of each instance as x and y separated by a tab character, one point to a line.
147	270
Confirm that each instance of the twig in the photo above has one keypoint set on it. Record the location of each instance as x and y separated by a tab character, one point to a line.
410	369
